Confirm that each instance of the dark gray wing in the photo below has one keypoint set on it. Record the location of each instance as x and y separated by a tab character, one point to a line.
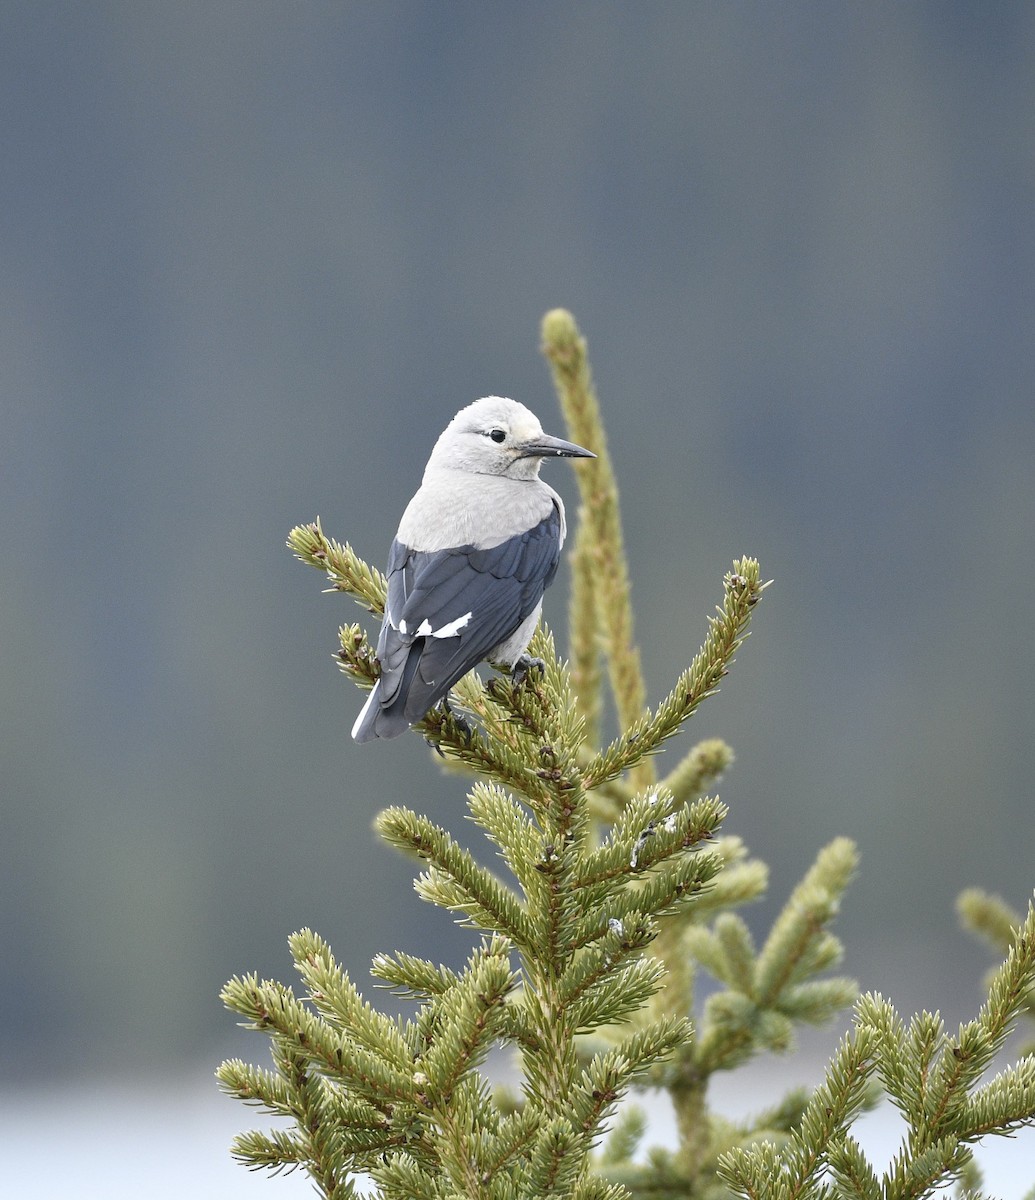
471	599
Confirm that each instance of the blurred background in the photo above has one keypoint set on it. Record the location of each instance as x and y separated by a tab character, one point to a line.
255	255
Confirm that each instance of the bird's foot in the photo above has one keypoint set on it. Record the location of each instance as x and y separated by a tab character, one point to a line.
521	667
459	720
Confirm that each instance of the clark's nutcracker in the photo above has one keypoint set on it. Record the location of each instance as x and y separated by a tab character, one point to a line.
477	546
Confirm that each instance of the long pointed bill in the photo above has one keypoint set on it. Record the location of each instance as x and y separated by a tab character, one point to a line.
545	446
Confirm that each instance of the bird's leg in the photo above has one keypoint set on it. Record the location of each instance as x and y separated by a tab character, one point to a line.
459	719
522	665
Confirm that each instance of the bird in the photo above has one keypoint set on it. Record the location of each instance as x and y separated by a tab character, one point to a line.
477	547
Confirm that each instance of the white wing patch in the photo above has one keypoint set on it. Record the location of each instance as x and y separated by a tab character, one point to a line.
424	628
450	630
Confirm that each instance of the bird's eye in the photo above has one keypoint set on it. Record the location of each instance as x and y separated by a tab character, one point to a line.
498	435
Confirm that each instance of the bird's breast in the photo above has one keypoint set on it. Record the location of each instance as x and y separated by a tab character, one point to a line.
457	508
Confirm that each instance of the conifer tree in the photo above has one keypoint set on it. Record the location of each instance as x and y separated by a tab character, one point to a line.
616	891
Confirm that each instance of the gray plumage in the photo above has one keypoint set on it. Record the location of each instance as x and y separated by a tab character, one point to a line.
477	546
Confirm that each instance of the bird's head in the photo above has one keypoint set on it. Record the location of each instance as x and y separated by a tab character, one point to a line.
496	436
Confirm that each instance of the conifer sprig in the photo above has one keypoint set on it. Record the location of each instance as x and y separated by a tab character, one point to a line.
932	1077
345	570
999	924
727	630
603	583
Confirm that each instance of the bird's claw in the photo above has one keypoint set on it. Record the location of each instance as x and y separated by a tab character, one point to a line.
459	720
522	665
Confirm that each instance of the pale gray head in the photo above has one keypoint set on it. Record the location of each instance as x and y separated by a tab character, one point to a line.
496	436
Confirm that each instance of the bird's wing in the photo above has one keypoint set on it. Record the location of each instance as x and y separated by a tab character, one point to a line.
447	609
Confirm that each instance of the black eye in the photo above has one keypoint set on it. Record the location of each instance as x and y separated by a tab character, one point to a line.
498	435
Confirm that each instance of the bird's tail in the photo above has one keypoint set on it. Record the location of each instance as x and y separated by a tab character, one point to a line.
377	722
364	729
380	720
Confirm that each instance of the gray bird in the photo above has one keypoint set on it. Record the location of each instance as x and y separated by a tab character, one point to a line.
477	546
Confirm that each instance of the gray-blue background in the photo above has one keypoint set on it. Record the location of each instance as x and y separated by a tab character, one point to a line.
254	255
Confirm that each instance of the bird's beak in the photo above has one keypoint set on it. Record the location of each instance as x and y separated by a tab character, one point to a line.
545	446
